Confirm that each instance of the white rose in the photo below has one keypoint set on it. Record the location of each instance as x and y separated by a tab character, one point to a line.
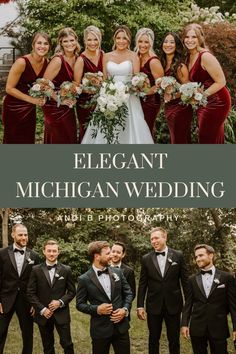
85	81
198	96
36	87
112	107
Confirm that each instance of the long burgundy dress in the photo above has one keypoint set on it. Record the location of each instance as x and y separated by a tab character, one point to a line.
179	119
212	117
83	113
151	104
18	116
60	122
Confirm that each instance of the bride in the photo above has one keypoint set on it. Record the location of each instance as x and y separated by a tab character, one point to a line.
121	63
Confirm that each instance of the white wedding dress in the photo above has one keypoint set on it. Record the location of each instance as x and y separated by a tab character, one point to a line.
136	130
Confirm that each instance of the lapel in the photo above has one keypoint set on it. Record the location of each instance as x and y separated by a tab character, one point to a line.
56	274
12	258
215	282
96	282
46	273
26	260
168	264
200	284
154	260
112	282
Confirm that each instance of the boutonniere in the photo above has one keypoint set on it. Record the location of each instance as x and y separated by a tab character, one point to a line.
56	275
216	281
170	260
115	277
30	261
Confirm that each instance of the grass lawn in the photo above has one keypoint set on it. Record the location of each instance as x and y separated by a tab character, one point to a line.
81	338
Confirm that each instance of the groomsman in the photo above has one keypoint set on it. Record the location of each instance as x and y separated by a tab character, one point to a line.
163	272
211	296
104	293
16	263
50	290
118	252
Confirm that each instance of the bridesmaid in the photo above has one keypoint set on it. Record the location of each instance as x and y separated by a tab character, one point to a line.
89	61
60	122
205	68
19	109
179	117
151	66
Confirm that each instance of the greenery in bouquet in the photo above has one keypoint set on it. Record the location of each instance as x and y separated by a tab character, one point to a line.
68	91
168	86
111	111
139	84
192	94
42	88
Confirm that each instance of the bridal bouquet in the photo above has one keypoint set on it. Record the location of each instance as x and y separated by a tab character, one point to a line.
140	84
168	87
42	88
192	93
68	91
92	82
111	111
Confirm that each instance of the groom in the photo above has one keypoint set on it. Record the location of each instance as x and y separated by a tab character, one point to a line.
104	293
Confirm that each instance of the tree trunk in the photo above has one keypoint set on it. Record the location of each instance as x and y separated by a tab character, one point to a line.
5	212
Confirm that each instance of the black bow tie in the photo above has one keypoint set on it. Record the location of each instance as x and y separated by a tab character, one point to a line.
161	253
104	271
21	251
206	271
51	267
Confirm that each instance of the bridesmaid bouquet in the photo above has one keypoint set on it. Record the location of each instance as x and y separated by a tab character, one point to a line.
42	88
92	82
192	93
168	87
68	91
111	111
140	84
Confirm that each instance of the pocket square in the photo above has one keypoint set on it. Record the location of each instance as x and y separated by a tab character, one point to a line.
174	263
31	262
221	286
61	278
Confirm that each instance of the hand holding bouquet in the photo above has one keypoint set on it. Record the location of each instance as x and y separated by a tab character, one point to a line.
193	93
168	86
68	93
111	111
140	84
92	82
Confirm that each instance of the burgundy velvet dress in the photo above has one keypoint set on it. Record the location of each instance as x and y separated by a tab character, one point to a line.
83	113
179	119
212	117
150	104
60	122
19	117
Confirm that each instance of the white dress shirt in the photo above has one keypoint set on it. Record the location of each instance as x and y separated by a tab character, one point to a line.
19	258
104	280
207	280
161	260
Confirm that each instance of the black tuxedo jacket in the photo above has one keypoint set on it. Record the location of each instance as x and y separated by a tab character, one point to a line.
10	282
160	290
41	291
209	315
90	294
130	277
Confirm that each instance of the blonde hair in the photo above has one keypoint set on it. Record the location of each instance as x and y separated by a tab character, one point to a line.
149	33
66	32
95	31
126	30
198	31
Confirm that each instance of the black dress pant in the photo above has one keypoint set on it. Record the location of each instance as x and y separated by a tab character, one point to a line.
172	327
22	309
119	342
200	344
47	335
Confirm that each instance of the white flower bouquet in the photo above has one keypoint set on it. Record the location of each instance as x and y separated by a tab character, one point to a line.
192	94
42	88
168	86
111	111
139	84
